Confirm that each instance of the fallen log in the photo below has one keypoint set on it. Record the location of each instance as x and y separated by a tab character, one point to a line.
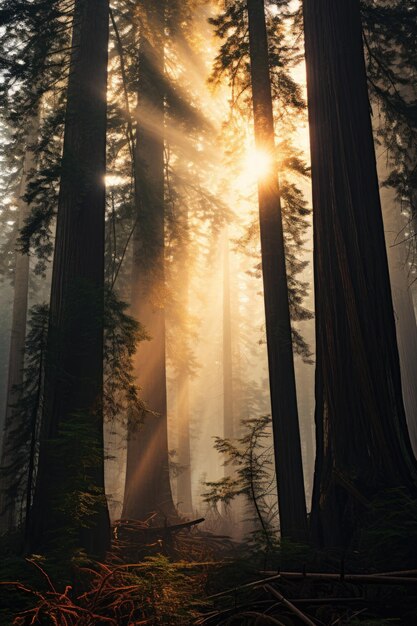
384	579
128	527
342	577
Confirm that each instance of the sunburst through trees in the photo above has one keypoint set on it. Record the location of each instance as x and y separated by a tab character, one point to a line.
202	295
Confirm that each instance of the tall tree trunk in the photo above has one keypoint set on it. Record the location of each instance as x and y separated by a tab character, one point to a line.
405	319
362	440
228	395
69	502
305	388
148	488
288	462
17	335
184	490
184	485
228	415
407	346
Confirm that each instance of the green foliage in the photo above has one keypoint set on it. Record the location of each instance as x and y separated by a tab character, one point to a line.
75	450
390	39
388	535
35	44
34	41
251	457
232	63
294	213
42	192
21	445
76	443
75	453
154	592
122	334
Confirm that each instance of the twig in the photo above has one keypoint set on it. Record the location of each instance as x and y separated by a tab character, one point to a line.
43	573
268	619
289	605
337	621
255	583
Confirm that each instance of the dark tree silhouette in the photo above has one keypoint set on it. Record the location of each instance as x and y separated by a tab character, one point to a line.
362	440
18	334
291	495
147	487
69	503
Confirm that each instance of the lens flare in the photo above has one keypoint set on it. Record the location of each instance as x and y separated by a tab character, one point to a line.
257	164
113	180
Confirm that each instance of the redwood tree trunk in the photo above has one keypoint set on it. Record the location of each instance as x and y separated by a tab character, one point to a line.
362	441
184	490
288	462
148	488
184	483
228	414
17	338
69	503
401	285
228	394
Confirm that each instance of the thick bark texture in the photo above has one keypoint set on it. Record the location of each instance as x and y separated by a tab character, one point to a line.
291	496
407	346
401	284
362	442
17	338
148	488
69	503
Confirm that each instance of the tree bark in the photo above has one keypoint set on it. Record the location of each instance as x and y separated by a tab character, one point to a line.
228	415
405	319
362	441
185	502
184	483
288	462
304	374
69	502
228	391
148	488
17	335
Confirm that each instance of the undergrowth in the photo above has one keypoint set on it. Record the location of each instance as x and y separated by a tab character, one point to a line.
155	591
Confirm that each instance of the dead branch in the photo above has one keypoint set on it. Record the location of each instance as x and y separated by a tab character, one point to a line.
289	605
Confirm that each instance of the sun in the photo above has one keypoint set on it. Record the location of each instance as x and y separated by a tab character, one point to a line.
257	164
114	180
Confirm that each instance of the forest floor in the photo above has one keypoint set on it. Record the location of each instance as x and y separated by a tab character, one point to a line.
179	575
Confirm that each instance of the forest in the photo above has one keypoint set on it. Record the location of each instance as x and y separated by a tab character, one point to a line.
208	312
